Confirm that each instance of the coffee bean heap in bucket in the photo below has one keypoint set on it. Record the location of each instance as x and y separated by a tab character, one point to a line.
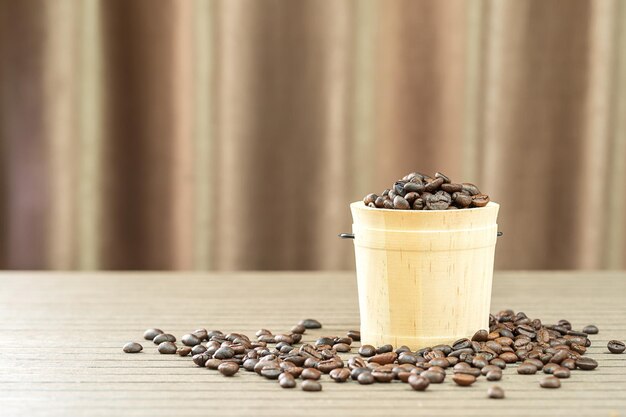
422	192
512	339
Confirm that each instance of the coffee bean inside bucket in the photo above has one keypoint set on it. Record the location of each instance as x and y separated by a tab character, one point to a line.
416	191
305	357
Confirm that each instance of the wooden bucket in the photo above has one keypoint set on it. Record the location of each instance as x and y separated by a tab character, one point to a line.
424	277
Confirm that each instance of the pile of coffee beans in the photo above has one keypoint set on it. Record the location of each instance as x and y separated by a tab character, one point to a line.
417	191
512	338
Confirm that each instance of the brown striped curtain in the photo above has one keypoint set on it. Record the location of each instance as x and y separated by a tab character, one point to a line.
232	134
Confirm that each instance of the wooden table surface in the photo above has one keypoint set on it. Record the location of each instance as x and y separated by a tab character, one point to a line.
62	333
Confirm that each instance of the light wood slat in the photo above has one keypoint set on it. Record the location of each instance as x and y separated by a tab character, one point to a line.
60	350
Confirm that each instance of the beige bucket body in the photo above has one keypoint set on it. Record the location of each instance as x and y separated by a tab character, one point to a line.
424	277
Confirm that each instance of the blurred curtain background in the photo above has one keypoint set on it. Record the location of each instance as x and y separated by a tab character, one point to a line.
142	134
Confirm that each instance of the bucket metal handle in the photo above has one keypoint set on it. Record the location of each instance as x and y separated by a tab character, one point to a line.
351	235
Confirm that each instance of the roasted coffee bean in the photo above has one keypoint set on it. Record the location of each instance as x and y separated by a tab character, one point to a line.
480	361
564	323
471	189
469	370
536	362
370	198
494	375
384	358
340	374
355	372
560	356
569	364
342	347
298	329
212	363
286	380
464	380
462	200
328	365
367	351
480	336
616	346
201	334
200	359
400	203
150	334
498	362
438	201
586	364
324	341
550	368
561	372
249	364
508	357
550	382
382	375
356	362
311	373
190	340
197	349
461	344
485	369
407	357
271	372
167	348
591	329
132	347
433	185
163	337
451	188
418	382
311	385
527	369
365	378
384	349
442	362
311	324
433	376
480	200
354	335
183	351
296	371
228	368
495	392
224	353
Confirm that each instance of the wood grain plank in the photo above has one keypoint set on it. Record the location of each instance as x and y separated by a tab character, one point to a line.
60	350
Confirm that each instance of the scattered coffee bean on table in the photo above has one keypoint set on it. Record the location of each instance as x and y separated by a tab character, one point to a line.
591	329
150	334
311	385
417	191
286	380
183	351
168	348
163	337
311	324
512	338
464	380
550	382
495	392
616	346
418	382
228	368
132	347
